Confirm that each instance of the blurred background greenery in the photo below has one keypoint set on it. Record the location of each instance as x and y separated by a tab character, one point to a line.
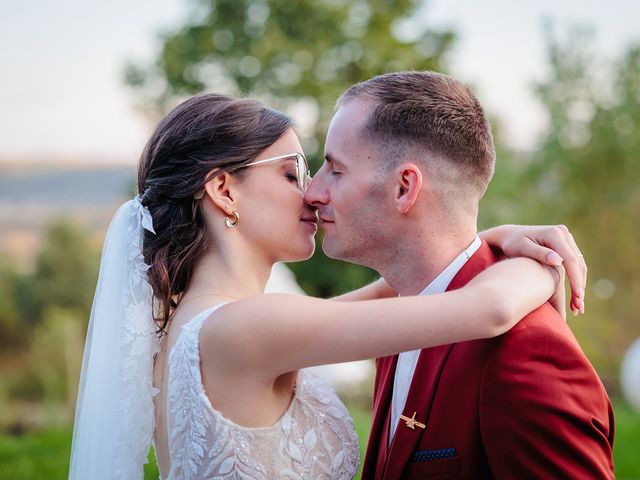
298	57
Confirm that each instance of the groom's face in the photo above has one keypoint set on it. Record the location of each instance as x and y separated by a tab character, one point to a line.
349	190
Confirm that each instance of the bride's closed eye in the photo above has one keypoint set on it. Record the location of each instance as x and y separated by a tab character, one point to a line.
292	177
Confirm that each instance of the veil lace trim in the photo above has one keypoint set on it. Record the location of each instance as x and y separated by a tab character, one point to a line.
139	345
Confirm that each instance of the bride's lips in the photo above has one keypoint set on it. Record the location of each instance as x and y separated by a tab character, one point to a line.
311	222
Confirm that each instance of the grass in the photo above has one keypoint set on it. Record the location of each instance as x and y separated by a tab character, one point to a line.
41	455
46	454
35	455
626	446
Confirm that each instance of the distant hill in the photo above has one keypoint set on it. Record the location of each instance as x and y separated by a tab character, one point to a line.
34	195
64	186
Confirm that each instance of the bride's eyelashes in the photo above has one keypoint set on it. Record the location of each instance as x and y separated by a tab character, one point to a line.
292	177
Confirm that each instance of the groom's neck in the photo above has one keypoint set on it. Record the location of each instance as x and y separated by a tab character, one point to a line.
417	261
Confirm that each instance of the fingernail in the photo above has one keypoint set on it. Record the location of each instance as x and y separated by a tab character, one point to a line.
554	259
582	306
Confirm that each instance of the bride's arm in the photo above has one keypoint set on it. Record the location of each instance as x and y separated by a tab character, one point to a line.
550	245
274	334
375	290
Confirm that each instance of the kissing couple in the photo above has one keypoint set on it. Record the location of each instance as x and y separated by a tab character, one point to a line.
477	373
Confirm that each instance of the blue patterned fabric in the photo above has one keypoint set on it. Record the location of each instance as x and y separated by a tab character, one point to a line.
429	455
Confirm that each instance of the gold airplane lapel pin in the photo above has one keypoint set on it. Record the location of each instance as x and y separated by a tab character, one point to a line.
412	423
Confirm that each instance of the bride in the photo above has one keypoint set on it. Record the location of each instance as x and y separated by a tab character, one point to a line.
186	352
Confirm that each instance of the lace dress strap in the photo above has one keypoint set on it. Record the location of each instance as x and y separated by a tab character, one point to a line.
187	421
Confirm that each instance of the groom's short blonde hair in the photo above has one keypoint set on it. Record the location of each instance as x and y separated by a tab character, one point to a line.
433	114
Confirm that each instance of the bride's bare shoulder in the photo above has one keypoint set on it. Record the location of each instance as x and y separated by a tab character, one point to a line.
239	318
242	314
240	331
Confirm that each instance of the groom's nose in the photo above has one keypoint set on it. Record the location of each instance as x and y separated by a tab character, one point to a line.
317	194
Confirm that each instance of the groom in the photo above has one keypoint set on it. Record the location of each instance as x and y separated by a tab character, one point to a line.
408	157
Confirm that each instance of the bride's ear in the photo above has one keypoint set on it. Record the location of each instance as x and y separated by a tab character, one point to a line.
221	191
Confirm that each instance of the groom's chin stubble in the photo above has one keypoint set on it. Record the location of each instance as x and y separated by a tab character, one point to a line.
329	249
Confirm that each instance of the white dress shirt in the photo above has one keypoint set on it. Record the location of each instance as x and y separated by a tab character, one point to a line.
407	360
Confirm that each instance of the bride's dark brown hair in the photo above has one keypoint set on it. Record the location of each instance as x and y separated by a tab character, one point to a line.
205	133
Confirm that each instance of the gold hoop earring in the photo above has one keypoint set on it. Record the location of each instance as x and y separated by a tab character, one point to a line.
232	223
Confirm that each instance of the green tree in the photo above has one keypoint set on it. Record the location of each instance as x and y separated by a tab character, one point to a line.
13	334
586	175
298	57
503	202
286	52
65	273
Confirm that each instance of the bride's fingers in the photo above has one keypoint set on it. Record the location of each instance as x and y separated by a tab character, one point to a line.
583	267
560	239
531	249
577	291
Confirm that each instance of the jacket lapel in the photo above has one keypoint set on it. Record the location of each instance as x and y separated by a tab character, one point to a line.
376	455
479	261
419	400
425	379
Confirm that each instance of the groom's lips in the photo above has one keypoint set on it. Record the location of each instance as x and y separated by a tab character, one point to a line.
325	220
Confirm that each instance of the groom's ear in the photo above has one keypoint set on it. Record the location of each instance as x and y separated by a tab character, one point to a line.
408	183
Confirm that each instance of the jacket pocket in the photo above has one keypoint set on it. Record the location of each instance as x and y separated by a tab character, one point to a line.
448	468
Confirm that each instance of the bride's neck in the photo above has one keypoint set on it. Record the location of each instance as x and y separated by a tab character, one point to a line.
236	276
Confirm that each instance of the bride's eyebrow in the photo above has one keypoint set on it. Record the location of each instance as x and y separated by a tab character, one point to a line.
287	162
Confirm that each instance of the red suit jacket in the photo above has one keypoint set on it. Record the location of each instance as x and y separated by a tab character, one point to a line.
525	405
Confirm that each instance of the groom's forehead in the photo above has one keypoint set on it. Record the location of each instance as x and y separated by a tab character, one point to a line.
353	114
346	135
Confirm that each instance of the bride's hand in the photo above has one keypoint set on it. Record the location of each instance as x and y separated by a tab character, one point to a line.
550	245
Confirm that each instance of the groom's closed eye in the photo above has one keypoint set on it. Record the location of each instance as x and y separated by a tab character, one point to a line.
335	167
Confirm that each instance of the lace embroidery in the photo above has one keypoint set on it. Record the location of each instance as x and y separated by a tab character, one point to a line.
315	438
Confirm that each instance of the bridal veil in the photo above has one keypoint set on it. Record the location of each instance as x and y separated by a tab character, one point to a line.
114	418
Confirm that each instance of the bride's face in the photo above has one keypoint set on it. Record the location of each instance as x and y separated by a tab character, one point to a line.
273	214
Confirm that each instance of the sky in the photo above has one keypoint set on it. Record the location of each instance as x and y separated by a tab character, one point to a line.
62	94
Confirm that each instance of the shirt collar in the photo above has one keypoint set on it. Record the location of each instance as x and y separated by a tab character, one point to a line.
442	281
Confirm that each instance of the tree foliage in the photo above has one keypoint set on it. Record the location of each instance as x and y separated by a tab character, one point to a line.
585	174
65	273
43	316
13	335
287	52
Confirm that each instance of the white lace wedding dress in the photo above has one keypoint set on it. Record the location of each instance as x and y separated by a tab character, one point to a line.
314	439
